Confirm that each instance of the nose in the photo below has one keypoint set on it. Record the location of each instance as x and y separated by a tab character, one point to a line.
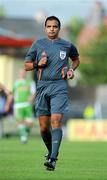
51	28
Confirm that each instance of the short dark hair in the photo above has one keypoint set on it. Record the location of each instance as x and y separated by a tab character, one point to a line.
53	18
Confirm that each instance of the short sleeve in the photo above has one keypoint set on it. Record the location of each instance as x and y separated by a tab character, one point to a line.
73	52
31	54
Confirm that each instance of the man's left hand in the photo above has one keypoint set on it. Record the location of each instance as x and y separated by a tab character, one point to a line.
70	74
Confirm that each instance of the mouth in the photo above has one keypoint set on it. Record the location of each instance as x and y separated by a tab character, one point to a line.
51	32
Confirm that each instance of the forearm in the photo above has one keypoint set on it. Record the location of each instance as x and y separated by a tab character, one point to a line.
9	99
32	98
29	65
75	63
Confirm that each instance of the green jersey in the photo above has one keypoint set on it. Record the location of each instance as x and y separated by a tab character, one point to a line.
22	90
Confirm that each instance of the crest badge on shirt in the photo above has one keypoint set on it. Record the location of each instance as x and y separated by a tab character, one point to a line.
62	55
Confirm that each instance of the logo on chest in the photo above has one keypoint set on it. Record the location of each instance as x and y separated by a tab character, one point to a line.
62	55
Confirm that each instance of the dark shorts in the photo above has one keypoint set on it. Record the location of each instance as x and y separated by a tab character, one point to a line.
52	97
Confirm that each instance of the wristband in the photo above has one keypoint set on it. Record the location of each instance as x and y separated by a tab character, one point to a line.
71	69
35	65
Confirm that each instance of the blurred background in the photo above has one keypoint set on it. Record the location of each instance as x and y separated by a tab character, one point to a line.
84	23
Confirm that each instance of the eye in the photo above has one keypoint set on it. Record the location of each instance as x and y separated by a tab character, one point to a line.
55	26
48	26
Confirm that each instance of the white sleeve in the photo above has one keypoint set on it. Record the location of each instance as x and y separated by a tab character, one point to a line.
33	88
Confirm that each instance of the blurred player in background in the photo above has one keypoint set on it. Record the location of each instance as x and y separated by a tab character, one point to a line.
50	57
6	99
24	93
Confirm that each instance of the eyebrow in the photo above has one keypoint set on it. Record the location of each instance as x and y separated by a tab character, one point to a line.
52	25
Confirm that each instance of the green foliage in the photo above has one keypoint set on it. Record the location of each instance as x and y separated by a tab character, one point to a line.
94	72
2	11
75	26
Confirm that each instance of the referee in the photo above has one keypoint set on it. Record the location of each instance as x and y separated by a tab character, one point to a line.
49	56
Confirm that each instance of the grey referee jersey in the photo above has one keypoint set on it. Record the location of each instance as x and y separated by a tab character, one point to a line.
57	51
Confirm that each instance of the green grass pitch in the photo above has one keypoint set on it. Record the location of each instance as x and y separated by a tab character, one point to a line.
77	160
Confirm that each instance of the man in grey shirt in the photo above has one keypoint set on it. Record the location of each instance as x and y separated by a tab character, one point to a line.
49	56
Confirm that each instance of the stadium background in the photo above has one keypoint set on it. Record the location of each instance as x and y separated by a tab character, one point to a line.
84	149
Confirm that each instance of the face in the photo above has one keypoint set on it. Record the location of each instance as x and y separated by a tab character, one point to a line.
52	29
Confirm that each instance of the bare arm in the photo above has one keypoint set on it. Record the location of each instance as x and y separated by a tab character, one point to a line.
9	97
29	65
8	101
75	64
32	98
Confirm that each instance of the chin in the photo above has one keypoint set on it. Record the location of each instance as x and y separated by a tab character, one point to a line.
52	37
